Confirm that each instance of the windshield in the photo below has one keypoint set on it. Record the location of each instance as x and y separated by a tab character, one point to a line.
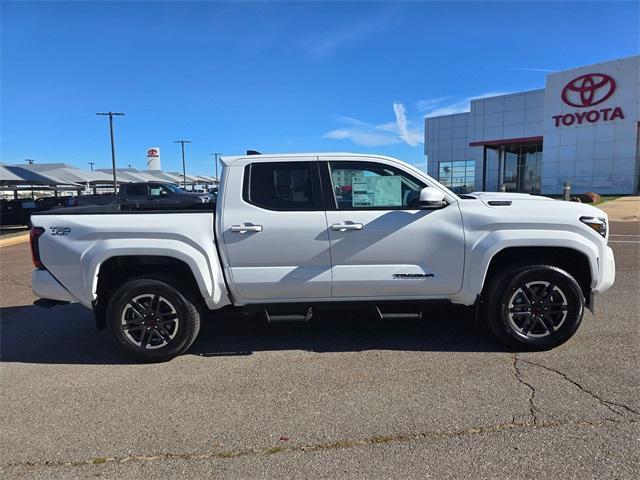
172	188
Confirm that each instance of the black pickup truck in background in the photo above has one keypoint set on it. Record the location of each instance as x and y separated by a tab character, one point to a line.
159	194
131	196
147	195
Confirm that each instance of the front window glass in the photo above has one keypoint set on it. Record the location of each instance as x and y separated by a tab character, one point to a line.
170	187
369	185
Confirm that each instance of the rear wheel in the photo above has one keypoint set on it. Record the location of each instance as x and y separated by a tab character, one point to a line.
152	320
536	307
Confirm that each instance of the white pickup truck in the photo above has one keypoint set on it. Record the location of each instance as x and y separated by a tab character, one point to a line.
291	234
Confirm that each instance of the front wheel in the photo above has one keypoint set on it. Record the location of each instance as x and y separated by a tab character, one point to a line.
535	307
152	320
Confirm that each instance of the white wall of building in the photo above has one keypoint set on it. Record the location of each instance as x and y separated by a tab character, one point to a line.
600	155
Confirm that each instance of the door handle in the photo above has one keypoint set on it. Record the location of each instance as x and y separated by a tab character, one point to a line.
343	227
246	228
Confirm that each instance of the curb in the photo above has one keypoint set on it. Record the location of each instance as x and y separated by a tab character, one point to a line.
6	242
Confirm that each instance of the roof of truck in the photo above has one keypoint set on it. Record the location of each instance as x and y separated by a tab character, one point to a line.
228	160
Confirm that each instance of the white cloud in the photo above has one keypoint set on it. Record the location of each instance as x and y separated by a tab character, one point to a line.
434	107
412	137
328	42
375	135
531	69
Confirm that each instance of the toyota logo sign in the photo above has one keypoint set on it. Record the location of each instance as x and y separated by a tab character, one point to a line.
588	90
152	152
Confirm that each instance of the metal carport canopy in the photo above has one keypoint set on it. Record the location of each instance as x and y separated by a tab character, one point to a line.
70	173
12	175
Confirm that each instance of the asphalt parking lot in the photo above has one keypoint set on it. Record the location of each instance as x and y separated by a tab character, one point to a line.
344	396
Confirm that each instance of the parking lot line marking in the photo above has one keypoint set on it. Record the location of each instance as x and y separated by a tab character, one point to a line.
624	241
624	235
6	242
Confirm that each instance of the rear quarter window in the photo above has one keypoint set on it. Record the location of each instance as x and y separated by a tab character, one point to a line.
287	186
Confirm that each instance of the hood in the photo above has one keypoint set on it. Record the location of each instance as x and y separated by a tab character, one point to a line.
486	196
531	205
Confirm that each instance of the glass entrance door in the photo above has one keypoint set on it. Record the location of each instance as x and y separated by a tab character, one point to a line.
522	165
529	170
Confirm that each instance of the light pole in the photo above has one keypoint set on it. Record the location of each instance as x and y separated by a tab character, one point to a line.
184	167
215	156
92	164
30	161
113	148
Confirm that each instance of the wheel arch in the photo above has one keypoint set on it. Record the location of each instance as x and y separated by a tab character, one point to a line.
573	261
115	270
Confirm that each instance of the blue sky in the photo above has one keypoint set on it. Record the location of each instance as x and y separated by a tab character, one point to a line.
276	77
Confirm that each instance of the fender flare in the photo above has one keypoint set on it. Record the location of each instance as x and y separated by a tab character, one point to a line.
482	252
208	279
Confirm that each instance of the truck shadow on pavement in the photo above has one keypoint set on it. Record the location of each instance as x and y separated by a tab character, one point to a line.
67	335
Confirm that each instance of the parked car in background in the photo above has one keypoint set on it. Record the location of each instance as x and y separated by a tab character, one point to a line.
154	195
47	203
87	200
16	212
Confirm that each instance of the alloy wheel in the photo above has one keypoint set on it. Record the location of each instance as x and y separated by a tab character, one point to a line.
537	309
150	321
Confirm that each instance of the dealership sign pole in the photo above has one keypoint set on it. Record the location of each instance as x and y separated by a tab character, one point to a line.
153	158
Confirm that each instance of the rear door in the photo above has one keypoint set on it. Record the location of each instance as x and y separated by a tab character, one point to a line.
382	243
275	231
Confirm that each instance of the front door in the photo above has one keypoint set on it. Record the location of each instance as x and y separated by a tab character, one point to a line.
382	243
275	236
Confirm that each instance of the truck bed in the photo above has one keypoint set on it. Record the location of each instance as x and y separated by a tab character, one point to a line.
115	209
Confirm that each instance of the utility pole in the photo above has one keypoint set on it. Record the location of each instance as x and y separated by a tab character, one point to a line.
92	164
30	161
216	156
184	167
113	148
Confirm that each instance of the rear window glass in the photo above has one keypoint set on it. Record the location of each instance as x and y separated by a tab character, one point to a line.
280	185
140	190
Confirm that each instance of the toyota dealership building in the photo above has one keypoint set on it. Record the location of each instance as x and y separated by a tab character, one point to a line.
582	129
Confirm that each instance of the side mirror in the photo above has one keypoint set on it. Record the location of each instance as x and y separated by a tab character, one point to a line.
431	198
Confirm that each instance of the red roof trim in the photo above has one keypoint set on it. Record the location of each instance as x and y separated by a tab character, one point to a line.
505	141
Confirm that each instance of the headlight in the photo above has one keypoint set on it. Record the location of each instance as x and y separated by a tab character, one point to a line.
599	224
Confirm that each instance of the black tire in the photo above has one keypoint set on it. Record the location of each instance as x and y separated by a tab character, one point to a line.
157	302
533	307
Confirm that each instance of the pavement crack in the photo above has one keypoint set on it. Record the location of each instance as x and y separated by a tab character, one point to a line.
533	410
15	283
606	403
313	447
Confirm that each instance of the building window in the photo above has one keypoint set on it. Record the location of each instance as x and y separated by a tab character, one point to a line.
459	176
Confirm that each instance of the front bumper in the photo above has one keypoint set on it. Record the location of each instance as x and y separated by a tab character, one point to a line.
44	285
607	271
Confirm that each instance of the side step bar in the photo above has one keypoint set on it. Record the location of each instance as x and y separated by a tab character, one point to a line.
288	317
397	315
